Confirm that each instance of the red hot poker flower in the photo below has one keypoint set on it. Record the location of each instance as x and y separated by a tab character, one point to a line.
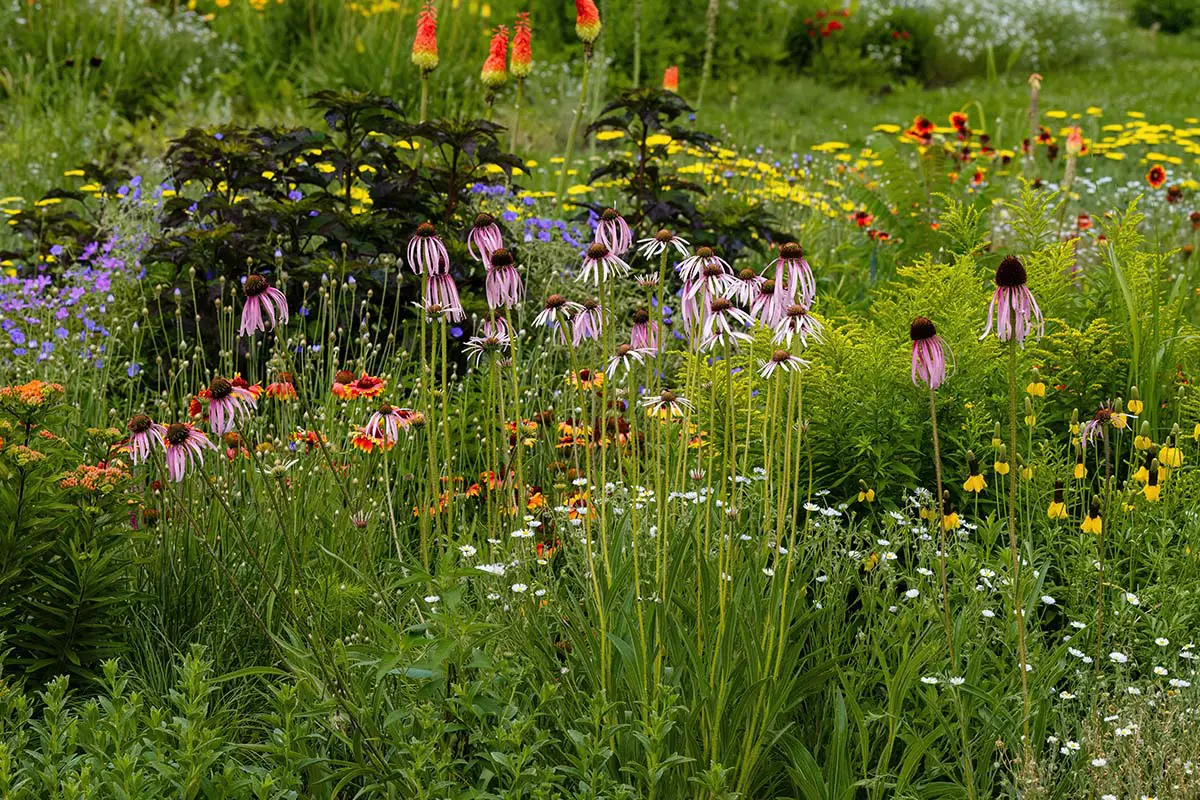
587	21
671	79
521	63
425	49
495	69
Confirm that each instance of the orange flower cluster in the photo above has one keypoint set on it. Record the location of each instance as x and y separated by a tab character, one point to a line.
29	395
102	478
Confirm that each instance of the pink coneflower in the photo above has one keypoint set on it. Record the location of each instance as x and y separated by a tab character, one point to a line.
599	263
724	321
693	267
644	333
768	305
502	282
484	238
928	354
797	321
427	253
666	405
745	286
713	281
228	405
442	293
494	323
385	424
626	357
489	345
184	447
143	434
263	302
783	360
556	314
657	244
793	274
588	323
1012	304
693	315
613	232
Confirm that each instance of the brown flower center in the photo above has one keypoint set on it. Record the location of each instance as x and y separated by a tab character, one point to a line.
1011	273
921	329
220	388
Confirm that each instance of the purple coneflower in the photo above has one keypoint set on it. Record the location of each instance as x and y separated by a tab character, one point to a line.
588	323
143	433
442	292
503	282
227	405
484	238
657	244
489	345
928	354
713	281
494	323
1012	304
644	333
427	253
386	423
784	360
613	232
666	405
793	274
720	320
692	268
263	302
797	321
599	263
625	358
689	306
768	305
556	314
746	285
184	446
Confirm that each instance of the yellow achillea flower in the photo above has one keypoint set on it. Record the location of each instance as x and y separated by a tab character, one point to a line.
1093	522
1058	508
975	482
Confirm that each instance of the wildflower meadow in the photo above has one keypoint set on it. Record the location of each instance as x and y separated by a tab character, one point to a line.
599	399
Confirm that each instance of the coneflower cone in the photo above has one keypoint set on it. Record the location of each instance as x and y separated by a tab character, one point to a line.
495	69
587	21
425	49
521	62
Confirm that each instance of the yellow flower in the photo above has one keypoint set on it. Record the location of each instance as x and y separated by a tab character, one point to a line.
975	483
1026	473
73	173
1151	491
658	140
867	497
1080	471
608	136
1036	389
1031	419
1092	524
950	521
1057	510
1001	467
1170	456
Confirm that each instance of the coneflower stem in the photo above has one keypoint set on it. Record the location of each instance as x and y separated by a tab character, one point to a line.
937	517
1012	543
579	111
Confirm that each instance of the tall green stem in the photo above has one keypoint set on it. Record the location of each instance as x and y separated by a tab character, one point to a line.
579	112
710	42
1014	551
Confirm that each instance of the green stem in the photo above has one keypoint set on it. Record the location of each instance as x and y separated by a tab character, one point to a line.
579	111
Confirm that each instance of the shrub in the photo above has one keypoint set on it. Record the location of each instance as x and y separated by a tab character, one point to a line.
1170	16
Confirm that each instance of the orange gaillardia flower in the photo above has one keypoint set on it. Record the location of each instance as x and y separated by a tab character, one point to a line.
1157	176
424	49
587	21
671	79
495	69
521	63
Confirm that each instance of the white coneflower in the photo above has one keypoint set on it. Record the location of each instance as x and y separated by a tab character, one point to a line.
613	232
693	267
666	405
657	244
599	264
720	320
626	357
797	321
784	360
557	314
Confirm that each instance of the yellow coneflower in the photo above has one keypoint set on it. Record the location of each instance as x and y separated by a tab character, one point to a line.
1058	507
1001	463
1093	522
1120	419
1036	387
865	494
997	439
1135	401
1143	472
1026	469
1075	422
975	482
1143	441
1030	417
1152	489
1080	468
1169	455
871	563
1196	432
950	520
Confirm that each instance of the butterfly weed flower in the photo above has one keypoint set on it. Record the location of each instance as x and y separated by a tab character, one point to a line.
659	243
975	482
263	303
588	323
1058	507
797	321
643	334
184	445
1012	307
556	314
793	274
1152	488
781	360
228	405
613	232
427	252
666	405
503	282
928	353
144	433
484	238
1093	522
599	264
